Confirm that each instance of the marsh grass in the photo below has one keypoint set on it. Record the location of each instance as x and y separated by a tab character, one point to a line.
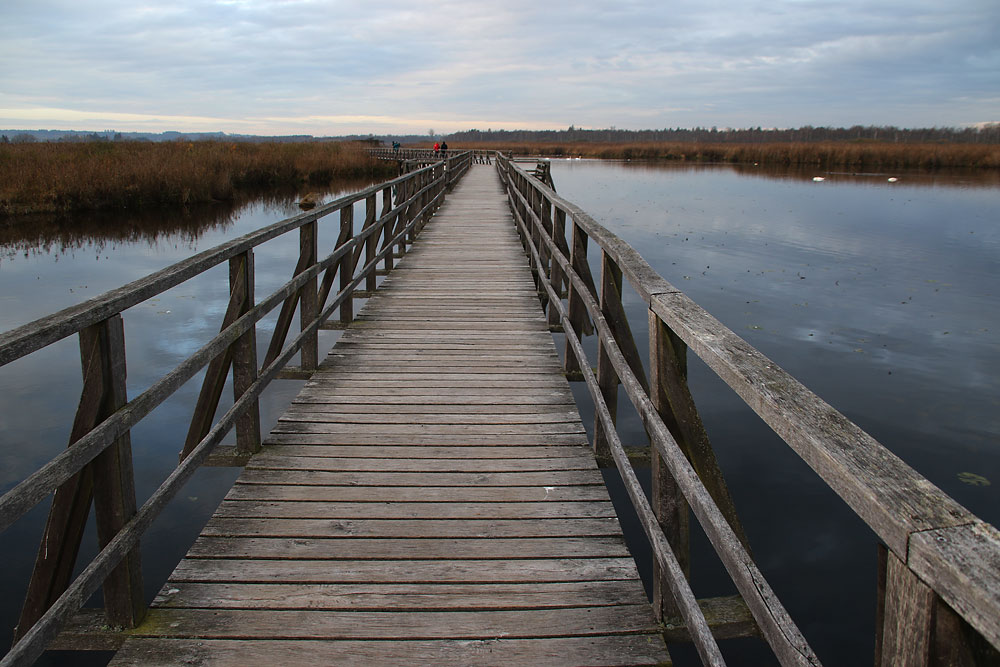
839	154
61	177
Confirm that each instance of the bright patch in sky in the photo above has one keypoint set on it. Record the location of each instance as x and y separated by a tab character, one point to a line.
333	67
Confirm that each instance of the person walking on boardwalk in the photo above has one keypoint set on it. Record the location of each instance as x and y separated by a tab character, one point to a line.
444	149
437	149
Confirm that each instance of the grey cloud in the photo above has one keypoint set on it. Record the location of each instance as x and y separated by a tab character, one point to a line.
630	64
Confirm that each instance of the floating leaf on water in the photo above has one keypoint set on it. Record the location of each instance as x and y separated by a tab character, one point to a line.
973	479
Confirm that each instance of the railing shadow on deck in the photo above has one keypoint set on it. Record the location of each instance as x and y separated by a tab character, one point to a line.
939	565
97	465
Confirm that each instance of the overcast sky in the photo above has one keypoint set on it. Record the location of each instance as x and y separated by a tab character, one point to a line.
327	67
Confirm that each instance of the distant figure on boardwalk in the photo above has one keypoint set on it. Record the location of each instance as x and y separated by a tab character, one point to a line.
444	149
437	149
395	148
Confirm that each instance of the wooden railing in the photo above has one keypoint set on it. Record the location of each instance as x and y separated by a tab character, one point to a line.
940	564
97	465
428	154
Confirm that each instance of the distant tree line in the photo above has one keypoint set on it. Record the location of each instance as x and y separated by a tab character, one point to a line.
983	134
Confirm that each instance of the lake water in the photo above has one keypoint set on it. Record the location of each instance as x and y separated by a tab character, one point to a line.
881	297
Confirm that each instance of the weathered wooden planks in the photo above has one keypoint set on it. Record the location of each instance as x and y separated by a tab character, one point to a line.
428	498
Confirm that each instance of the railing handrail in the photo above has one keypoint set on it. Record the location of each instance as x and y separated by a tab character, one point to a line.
921	525
417	194
423	153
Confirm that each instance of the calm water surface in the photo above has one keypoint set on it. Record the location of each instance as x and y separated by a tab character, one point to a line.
882	298
47	264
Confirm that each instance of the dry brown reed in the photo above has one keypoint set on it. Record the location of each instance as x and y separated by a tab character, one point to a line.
54	177
854	155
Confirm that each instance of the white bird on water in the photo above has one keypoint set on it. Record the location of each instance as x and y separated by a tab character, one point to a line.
818	179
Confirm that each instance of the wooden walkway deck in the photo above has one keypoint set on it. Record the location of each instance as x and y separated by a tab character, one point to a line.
429	497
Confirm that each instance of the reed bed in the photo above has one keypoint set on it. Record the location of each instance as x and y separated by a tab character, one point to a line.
60	177
842	154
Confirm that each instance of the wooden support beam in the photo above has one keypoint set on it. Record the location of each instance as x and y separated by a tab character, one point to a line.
88	630
244	355
346	269
676	407
218	368
558	232
607	380
371	244
577	310
728	617
308	302
114	490
294	373
387	205
284	322
906	616
102	353
226	456
669	505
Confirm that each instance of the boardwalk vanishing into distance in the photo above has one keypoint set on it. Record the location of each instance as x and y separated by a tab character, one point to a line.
431	496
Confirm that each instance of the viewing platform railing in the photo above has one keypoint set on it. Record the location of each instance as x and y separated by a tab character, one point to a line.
97	465
939	568
428	154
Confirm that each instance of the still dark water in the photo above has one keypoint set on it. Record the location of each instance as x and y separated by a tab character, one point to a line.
881	297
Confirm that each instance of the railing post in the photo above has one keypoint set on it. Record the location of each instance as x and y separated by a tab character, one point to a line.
906	615
244	355
669	505
114	489
607	378
422	200
577	310
371	244
534	239
418	204
406	191
102	356
559	235
346	267
520	184
389	225
308	306
680	415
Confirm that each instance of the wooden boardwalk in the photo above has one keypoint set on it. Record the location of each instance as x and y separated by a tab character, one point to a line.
428	498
